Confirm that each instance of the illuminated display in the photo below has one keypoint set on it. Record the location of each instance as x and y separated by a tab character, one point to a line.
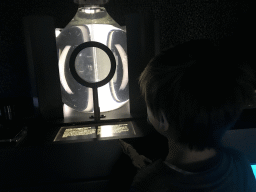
77	133
93	64
107	130
111	130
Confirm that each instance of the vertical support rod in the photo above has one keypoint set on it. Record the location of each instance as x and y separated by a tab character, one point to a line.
96	108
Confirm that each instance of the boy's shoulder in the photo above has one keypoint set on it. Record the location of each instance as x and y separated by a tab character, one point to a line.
158	174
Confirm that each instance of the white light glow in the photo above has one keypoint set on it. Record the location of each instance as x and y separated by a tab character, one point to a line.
92	11
67	110
125	66
106	131
100	33
106	101
125	71
62	61
107	97
90	99
57	32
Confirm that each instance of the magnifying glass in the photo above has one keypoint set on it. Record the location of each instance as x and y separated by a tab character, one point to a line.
93	85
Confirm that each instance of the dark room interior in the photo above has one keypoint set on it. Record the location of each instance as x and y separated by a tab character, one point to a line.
35	156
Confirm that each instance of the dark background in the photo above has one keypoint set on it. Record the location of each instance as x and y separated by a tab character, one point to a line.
180	20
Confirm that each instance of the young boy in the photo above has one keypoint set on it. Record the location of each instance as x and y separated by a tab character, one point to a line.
194	93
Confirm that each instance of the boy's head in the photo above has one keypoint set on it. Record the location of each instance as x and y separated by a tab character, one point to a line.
200	89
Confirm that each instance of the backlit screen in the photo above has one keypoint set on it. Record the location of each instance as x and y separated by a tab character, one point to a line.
254	170
89	132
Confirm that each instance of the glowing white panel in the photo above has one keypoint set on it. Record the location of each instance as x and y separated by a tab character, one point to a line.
108	99
62	61
125	66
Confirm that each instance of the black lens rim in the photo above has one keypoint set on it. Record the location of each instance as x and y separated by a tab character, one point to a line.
97	45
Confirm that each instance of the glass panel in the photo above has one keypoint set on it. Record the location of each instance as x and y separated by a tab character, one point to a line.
125	129
93	64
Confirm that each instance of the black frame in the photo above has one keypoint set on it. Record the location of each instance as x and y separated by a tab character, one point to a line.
87	45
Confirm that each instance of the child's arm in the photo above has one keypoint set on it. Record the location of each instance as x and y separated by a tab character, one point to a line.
138	160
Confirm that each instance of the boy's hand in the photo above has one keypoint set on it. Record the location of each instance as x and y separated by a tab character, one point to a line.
141	161
138	161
